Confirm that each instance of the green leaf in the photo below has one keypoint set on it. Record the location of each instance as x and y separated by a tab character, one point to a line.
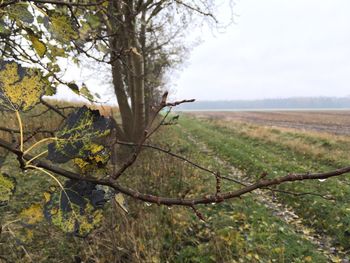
19	11
102	47
50	90
73	210
38	45
73	87
93	20
62	28
4	28
53	68
84	31
20	88
57	51
84	135
85	92
7	188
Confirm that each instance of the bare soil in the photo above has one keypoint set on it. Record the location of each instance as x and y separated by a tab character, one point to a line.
336	122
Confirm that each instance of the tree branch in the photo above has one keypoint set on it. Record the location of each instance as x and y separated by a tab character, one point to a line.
49	106
190	202
53	2
196	9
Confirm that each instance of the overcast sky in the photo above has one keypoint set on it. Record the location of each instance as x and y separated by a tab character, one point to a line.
275	49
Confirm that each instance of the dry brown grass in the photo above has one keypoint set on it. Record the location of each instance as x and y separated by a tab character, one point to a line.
295	139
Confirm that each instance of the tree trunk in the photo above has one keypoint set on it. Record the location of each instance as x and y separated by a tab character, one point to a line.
145	66
139	86
116	45
124	107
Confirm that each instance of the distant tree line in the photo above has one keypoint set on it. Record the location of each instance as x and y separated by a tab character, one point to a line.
288	103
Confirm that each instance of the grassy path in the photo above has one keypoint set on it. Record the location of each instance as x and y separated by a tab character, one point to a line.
323	243
242	229
256	155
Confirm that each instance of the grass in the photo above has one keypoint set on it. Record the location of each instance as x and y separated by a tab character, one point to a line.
241	230
278	152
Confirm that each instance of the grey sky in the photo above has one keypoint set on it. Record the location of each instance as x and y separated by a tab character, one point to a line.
277	48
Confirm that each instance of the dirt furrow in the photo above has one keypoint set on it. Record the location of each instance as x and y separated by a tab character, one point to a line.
334	122
323	242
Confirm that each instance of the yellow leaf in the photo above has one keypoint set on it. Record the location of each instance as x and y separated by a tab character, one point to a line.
38	45
308	259
33	214
20	88
63	29
47	196
57	51
120	200
7	188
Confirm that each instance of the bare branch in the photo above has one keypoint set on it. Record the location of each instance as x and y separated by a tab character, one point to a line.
53	2
9	130
196	9
48	105
213	198
169	152
198	214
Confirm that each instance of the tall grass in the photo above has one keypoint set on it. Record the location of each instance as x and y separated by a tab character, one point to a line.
241	230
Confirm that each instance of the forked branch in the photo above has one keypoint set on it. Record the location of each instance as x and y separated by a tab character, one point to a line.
190	202
112	181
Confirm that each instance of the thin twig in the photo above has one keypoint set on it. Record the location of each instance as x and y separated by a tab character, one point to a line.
213	198
48	105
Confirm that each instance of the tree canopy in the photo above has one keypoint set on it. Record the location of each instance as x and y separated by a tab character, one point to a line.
139	41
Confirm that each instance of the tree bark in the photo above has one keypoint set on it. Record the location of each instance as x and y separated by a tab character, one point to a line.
139	85
120	87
